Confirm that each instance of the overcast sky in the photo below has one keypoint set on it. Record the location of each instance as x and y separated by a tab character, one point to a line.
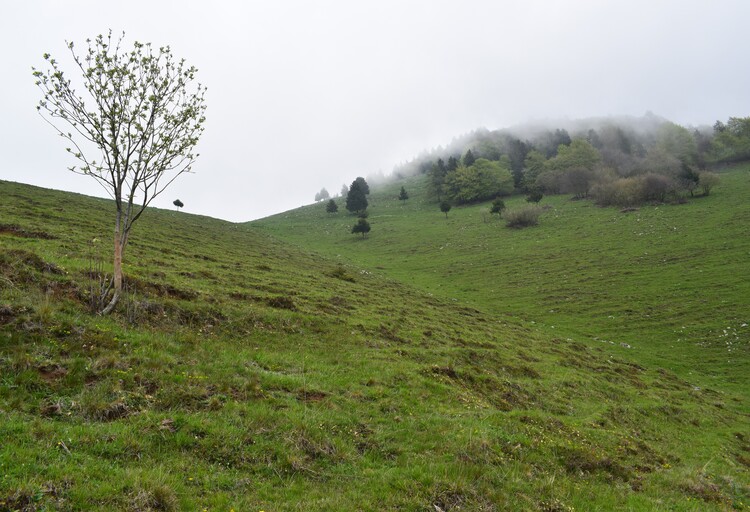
309	94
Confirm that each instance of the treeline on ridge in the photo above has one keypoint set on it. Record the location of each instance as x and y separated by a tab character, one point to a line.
614	162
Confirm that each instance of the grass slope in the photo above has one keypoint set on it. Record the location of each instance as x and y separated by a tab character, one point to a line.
665	285
244	373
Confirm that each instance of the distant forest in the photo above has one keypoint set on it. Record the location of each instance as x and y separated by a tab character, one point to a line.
620	161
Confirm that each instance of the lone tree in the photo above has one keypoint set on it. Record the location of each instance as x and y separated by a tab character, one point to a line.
362	226
179	204
403	195
332	207
445	207
356	197
133	128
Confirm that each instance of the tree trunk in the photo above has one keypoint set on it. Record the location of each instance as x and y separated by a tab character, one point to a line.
117	274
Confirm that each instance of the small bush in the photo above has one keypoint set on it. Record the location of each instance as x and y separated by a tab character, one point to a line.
534	196
525	217
655	187
498	205
707	181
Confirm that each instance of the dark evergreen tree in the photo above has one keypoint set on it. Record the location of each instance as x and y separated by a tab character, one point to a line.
445	207
469	159
437	178
362	226
517	151
363	185
498	205
178	203
332	207
403	196
440	165
452	164
356	198
562	137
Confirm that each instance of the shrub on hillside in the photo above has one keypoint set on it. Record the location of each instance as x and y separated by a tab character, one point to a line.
634	191
655	187
524	217
535	195
498	205
707	181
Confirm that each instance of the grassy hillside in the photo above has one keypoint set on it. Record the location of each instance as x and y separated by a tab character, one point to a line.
245	373
664	285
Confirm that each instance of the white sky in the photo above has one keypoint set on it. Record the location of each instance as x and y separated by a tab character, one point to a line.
306	94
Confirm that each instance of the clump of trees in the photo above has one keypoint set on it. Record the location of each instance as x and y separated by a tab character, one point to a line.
731	141
482	180
322	195
133	127
656	160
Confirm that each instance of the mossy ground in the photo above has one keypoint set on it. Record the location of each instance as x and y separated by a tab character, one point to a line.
242	372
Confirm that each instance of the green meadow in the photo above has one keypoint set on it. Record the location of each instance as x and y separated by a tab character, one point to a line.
597	361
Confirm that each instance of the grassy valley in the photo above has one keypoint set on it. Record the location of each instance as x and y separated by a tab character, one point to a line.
594	362
662	284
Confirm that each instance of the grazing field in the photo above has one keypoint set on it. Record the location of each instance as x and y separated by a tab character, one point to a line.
438	364
667	285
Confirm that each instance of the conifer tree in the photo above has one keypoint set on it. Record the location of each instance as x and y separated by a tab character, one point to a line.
332	207
362	226
356	198
469	159
403	196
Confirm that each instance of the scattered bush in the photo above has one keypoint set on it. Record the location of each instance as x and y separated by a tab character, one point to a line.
655	187
707	181
534	196
525	217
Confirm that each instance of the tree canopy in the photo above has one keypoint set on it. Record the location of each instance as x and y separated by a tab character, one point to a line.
483	180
